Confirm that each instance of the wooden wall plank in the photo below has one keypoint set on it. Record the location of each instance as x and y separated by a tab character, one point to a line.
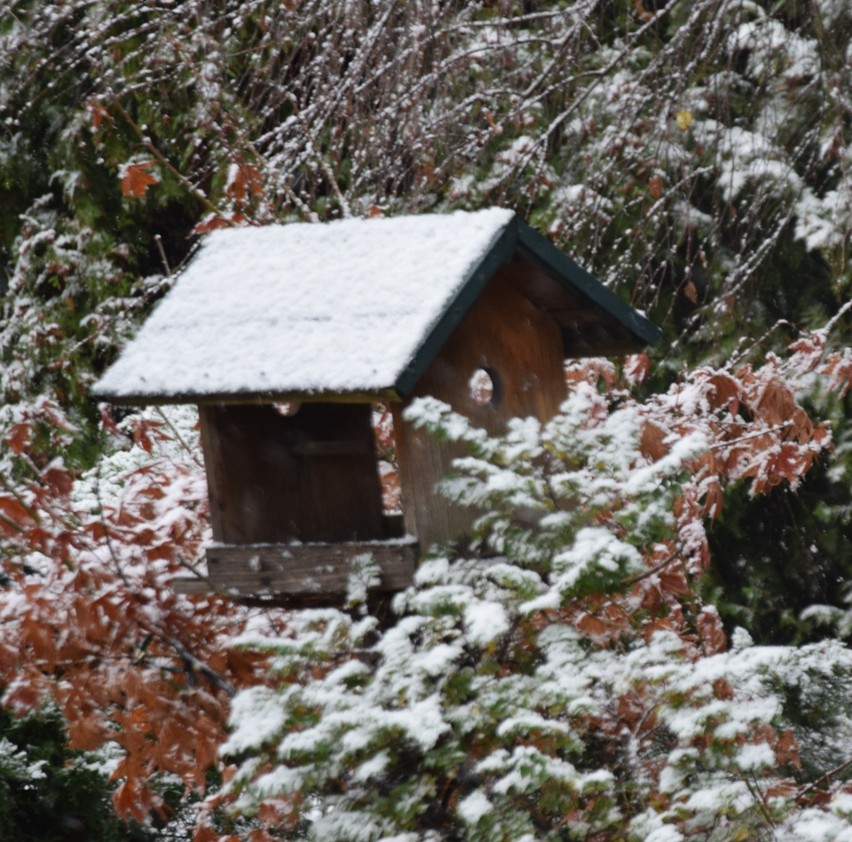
520	345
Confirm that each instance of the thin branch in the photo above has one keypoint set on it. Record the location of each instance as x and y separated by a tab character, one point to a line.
193	662
629	582
159	241
180	438
163	161
774	429
826	776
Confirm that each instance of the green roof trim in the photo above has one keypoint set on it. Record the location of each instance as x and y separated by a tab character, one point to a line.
518	237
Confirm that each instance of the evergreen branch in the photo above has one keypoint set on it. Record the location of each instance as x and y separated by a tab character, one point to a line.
163	161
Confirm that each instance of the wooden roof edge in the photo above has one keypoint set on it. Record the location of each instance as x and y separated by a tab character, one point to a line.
571	274
500	251
202	399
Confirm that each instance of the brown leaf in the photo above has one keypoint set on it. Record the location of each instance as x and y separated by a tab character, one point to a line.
673	581
211	222
18	437
129	801
723	690
787	463
24	697
655	185
40	637
58	480
87	733
787	750
146	431
14	511
714	497
643	14
99	113
630	709
776	404
205	833
636	368
784	789
838	368
135	179
652	442
709	626
244	181
724	391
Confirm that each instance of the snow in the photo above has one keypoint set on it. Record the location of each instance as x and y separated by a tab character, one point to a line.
340	307
257	715
594	547
15	763
474	807
754	756
485	622
815	826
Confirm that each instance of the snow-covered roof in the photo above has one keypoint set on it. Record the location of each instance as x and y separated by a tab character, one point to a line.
341	309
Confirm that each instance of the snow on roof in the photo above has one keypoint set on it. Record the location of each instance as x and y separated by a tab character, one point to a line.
340	308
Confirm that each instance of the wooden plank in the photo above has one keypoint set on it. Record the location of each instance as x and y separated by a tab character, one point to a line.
520	345
354	447
588	329
306	569
192	586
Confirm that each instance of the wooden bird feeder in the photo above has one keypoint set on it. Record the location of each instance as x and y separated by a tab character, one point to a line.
286	337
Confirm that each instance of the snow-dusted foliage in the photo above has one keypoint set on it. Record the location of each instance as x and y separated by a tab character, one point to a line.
694	155
561	678
89	616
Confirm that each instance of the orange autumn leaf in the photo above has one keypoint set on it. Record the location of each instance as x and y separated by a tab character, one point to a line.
136	178
709	627
14	513
18	437
211	222
87	733
214	221
244	181
724	391
722	689
653	441
99	113
787	750
205	833
636	368
838	368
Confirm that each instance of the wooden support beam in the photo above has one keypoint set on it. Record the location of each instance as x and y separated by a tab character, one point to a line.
192	586
304	570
